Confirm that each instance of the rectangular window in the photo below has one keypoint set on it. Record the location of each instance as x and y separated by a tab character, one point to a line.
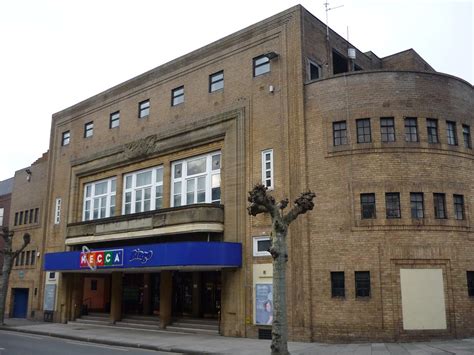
417	205
143	191
364	134
439	201
267	168
387	129
392	205
99	199
26	217
89	129
339	131
432	128
216	81
196	180
36	214
16	218
33	257
314	70
451	133
31	216
27	258
458	206
21	218
466	134
177	96
22	258
1	216
66	138
93	285
261	246
470	283
114	119
362	284
261	65
411	129
144	109
337	284
17	260
57	211
367	206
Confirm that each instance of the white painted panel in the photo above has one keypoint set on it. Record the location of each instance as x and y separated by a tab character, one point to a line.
423	304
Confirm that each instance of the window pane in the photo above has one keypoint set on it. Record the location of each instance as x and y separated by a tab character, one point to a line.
216	162
128	182
159	175
197	166
178	170
143	178
264	245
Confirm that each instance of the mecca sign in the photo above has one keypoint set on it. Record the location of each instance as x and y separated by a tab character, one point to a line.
101	258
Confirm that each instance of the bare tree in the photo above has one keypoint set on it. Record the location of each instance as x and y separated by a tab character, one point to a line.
9	257
261	202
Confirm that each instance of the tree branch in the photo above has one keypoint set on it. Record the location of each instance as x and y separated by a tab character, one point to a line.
260	202
303	204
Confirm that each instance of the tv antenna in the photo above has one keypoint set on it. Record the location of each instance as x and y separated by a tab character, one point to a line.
326	5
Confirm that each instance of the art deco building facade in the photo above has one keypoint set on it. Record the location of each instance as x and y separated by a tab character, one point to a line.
148	184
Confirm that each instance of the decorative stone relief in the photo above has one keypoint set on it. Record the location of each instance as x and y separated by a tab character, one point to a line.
142	147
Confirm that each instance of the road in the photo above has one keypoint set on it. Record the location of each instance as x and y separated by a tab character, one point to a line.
14	343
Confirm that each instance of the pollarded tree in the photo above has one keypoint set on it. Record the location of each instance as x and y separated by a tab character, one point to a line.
9	257
261	202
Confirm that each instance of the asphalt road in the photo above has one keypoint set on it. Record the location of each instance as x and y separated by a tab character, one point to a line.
13	343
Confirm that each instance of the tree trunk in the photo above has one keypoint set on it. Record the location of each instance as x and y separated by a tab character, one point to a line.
280	326
7	267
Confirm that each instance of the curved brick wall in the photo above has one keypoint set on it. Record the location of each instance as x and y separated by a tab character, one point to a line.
340	240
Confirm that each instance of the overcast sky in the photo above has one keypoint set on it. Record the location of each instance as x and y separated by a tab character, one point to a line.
55	53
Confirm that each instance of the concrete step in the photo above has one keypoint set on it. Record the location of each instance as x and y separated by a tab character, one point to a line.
136	325
140	317
214	327
98	314
95	317
196	320
93	321
192	330
141	321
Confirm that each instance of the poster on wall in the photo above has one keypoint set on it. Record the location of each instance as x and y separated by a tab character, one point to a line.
264	304
49	297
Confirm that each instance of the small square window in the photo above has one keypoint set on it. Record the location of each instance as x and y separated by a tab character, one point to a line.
339	131
337	284
417	205
470	283
144	109
216	81
261	246
362	283
458	206
411	129
392	205
314	70
66	138
387	129
363	130
88	129
52	275
114	119
439	202
261	65
451	133
177	96
367	206
432	128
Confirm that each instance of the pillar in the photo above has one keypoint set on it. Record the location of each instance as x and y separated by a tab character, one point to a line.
147	294
166	294
197	294
77	296
116	297
64	297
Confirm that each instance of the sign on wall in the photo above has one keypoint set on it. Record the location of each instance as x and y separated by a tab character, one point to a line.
264	304
49	297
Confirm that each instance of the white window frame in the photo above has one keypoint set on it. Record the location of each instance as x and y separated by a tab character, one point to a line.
210	175
2	211
93	198
267	181
312	62
256	252
57	211
133	189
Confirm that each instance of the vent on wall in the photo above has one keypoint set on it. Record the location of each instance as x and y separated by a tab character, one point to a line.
265	333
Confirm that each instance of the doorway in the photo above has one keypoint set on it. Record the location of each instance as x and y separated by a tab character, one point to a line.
20	302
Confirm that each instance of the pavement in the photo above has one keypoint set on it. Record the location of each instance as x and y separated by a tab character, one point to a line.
208	344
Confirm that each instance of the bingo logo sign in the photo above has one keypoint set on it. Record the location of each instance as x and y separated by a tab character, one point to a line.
101	258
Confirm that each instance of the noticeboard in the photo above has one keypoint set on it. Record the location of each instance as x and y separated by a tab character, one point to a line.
49	297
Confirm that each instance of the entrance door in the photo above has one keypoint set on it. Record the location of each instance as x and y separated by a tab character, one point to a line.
211	294
182	293
20	302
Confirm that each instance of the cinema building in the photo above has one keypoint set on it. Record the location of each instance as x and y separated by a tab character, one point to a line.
148	187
